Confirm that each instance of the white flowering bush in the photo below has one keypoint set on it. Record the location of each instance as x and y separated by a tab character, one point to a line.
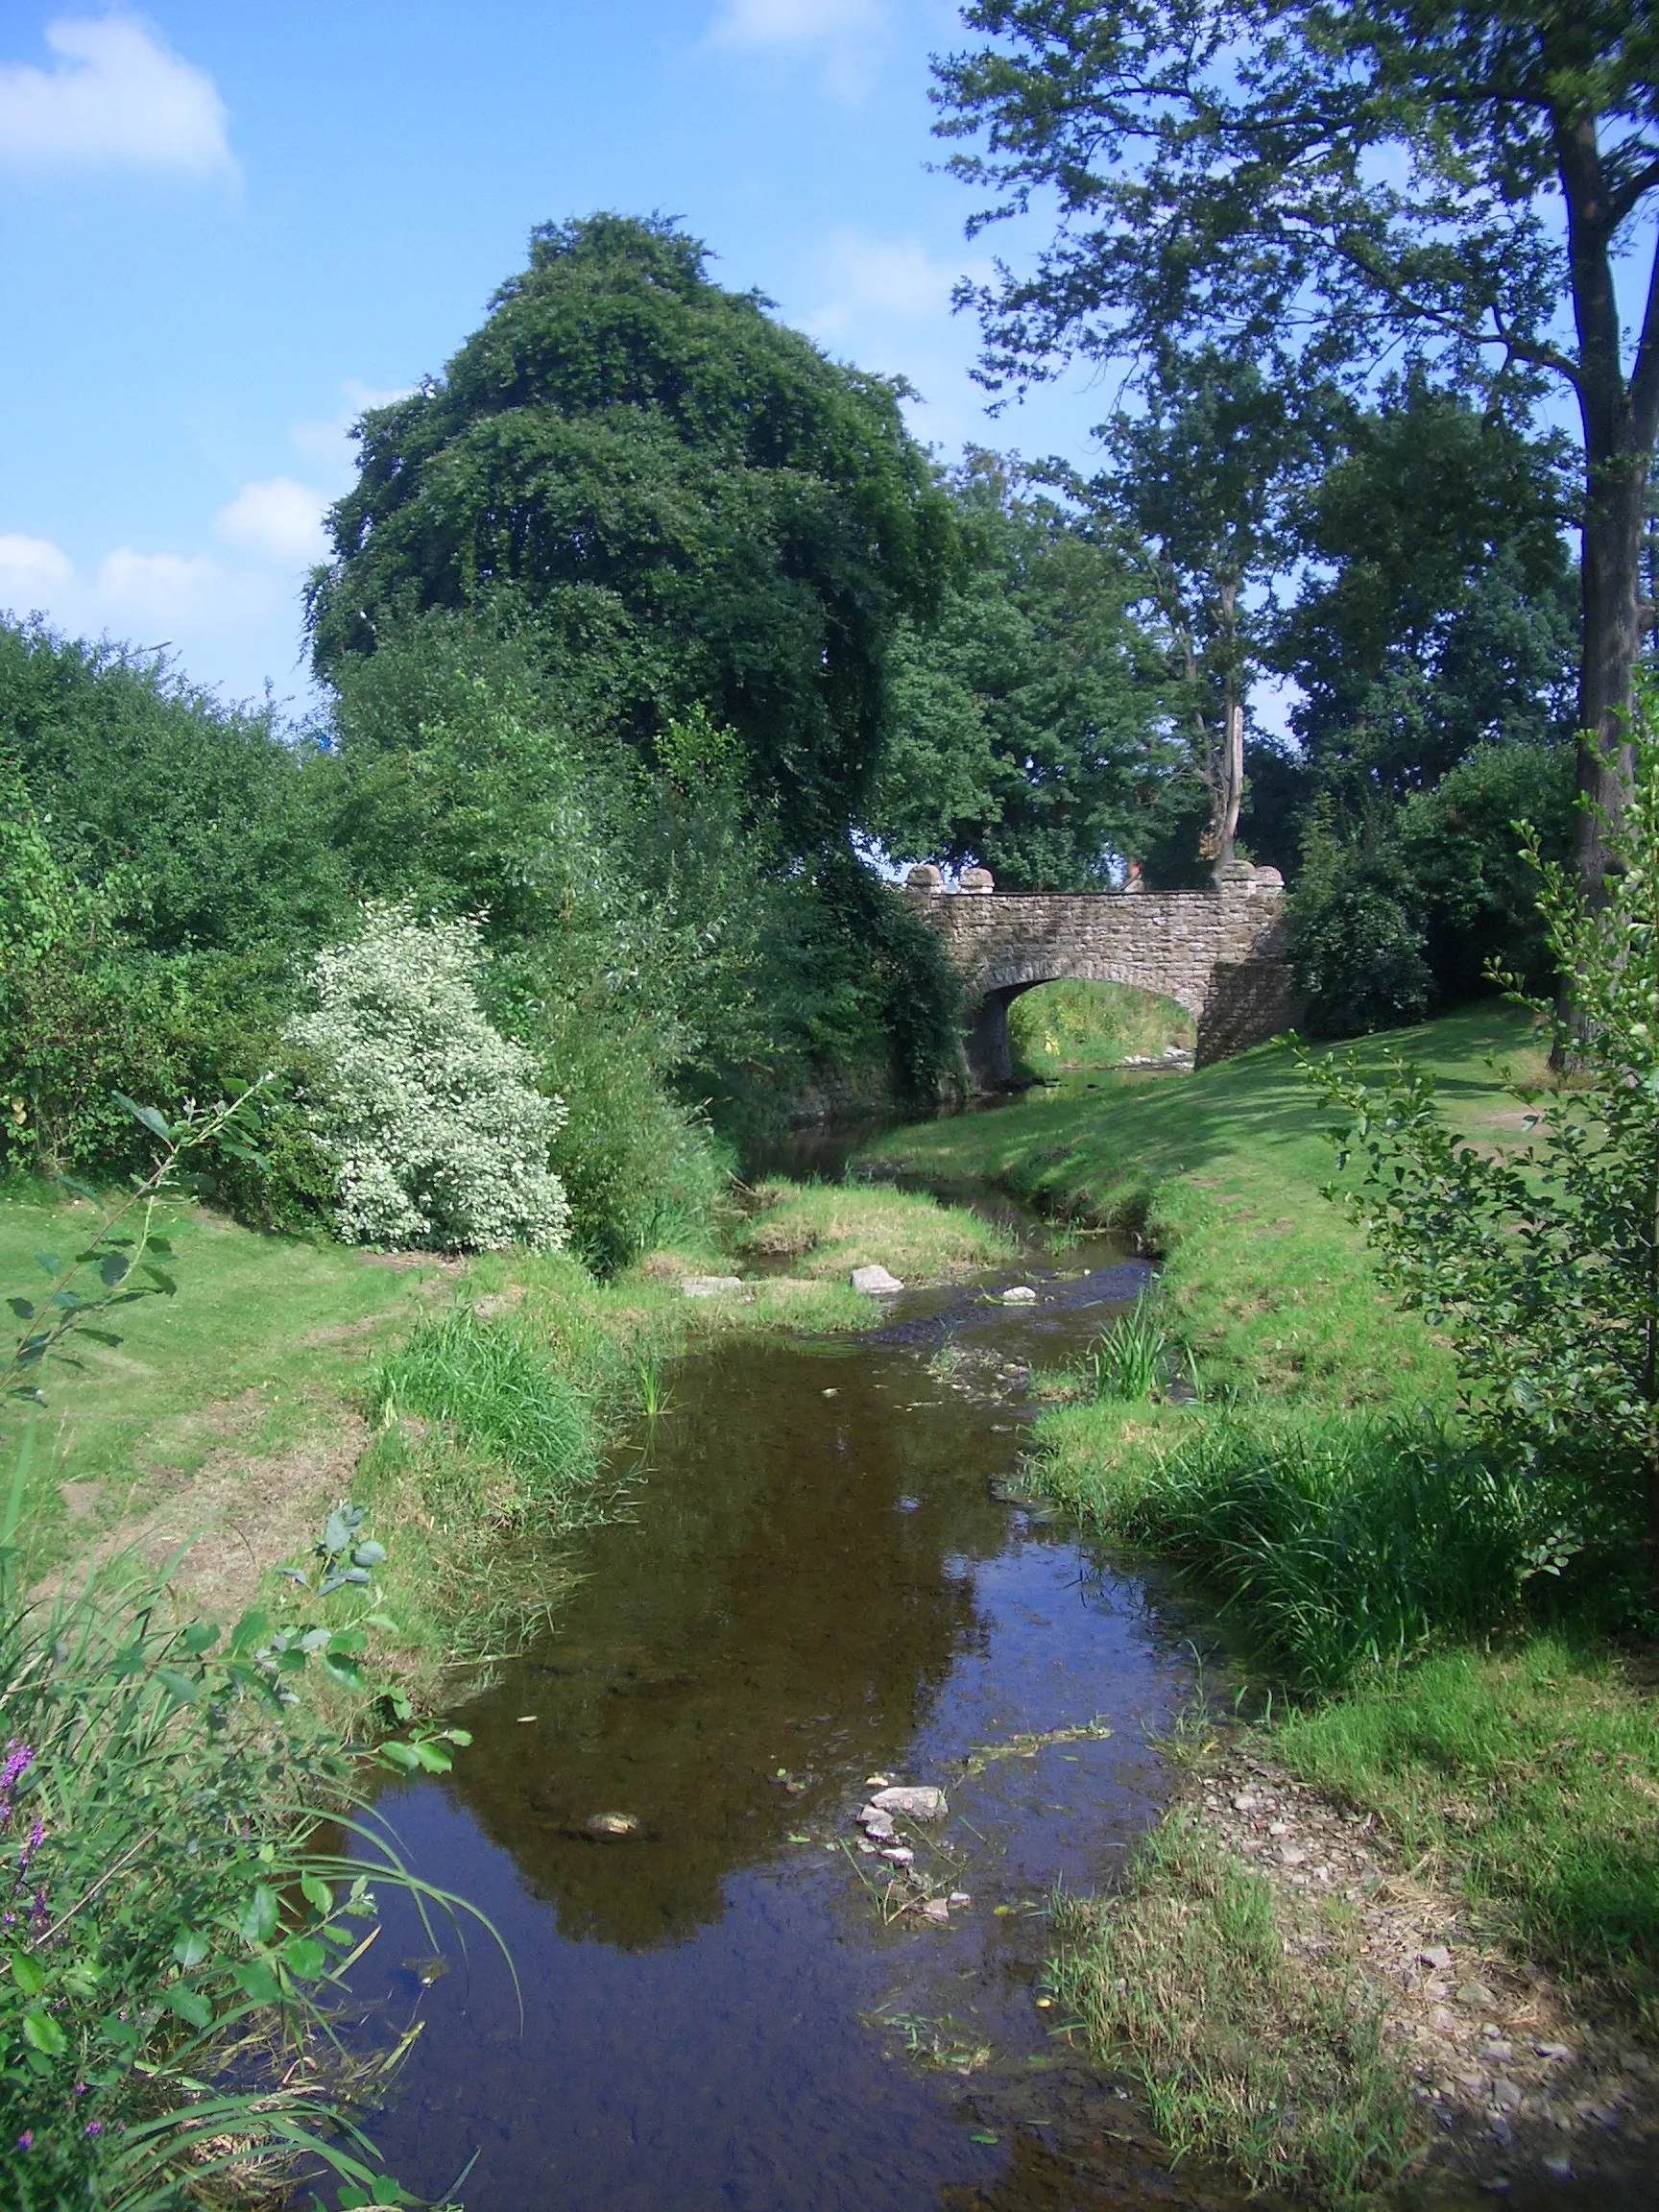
433	1116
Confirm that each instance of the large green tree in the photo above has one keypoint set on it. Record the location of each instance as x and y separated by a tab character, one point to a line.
1436	612
1334	177
1202	482
1029	720
685	503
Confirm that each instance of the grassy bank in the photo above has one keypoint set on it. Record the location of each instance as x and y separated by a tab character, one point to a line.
1267	1977
468	1406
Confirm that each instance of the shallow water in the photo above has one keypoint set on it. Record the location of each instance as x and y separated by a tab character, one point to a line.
821	1580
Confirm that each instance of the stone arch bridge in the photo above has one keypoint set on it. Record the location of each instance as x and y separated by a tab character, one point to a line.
1221	953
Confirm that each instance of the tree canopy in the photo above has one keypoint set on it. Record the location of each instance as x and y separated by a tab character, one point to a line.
686	504
1028	721
1321	183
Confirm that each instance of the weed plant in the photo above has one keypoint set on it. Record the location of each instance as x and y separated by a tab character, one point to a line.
176	1925
1530	1777
1129	1362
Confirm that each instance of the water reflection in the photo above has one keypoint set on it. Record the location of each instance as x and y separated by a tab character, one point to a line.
821	1582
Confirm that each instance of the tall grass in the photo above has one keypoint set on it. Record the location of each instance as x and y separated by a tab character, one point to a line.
499	1392
1338	1543
1129	1362
175	1928
1242	2055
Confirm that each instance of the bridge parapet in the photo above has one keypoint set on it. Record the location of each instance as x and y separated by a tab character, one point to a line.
1221	953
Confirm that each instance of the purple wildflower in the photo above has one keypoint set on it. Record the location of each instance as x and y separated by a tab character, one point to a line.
26	2140
93	2127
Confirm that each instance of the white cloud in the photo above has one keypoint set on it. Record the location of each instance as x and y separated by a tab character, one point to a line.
32	571
885	303
881	280
846	32
759	24
277	517
117	98
331	443
170	591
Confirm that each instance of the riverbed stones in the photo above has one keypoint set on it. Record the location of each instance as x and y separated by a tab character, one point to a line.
1022	1294
922	1802
875	1280
611	1827
877	1824
710	1286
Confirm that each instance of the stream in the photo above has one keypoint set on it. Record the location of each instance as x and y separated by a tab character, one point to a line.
825	1579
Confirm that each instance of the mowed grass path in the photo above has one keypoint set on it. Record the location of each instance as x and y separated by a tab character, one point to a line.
1222	1173
265	1335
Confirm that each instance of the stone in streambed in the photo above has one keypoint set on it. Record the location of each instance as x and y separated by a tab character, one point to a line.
876	1824
1022	1294
875	1280
611	1827
921	1803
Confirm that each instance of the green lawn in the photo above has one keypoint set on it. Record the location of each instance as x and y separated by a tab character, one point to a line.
1222	1174
256	1350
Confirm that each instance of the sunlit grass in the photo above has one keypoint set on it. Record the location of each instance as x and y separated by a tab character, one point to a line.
825	1229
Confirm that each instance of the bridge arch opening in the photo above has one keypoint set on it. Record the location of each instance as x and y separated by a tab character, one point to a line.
1133	1002
1075	1026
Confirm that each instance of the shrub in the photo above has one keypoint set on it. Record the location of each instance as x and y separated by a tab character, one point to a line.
1541	1262
441	1138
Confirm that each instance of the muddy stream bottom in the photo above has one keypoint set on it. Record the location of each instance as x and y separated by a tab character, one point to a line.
827	1580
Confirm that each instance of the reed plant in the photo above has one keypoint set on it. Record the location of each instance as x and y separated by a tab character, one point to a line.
1339	1544
1129	1362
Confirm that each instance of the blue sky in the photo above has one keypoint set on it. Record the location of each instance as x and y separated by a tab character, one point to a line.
227	228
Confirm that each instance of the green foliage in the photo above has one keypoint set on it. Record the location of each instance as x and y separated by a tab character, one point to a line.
1359	949
1541	1262
499	1392
1531	1774
1410	907
191	821
1060	1027
178	1925
1440	613
1130	1360
685	502
1338	1544
1026	722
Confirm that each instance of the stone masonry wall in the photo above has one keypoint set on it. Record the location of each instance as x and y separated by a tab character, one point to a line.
1218	953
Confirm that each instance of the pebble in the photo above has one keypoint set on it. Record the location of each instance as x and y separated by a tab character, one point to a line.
1291	1853
1475	1993
612	1827
1507	2093
877	1824
960	1897
899	1854
1278	1827
875	1280
936	1909
1022	1294
1560	2167
1437	1956
710	1286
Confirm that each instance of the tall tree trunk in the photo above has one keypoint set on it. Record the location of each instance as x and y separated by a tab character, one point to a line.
1619	419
